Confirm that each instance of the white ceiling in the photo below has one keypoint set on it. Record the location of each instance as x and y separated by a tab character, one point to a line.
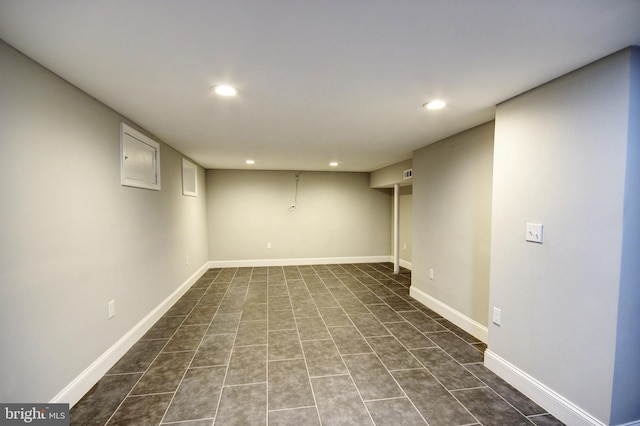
321	80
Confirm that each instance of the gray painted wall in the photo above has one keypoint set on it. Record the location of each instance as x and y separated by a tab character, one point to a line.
391	175
626	383
337	215
452	225
406	224
72	238
560	160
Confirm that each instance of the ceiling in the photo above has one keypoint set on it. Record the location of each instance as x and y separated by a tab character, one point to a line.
320	81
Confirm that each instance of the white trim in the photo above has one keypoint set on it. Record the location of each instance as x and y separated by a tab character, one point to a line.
469	325
292	262
405	264
75	390
559	406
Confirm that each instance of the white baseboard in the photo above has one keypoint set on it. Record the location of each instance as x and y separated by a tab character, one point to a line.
75	390
556	404
469	325
302	261
405	264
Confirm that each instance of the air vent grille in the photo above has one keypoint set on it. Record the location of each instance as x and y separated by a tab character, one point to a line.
407	174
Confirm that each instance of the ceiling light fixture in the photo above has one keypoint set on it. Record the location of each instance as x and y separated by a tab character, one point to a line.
250	162
333	164
433	105
225	90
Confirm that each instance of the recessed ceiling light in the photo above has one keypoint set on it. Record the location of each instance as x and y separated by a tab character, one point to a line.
437	104
225	90
333	164
250	162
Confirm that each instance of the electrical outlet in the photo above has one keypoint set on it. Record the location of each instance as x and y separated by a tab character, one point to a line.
497	316
186	260
268	245
534	233
112	309
431	273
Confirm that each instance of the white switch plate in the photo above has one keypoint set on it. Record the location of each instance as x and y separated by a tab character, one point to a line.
268	245
112	309
431	274
497	316
534	233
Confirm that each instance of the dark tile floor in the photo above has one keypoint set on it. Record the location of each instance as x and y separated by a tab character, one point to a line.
304	345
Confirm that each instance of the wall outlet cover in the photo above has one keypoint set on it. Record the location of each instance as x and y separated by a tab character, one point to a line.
534	233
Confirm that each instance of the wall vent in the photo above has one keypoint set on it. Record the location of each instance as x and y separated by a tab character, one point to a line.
407	174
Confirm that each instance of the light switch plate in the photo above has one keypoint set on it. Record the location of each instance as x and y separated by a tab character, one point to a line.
534	233
497	316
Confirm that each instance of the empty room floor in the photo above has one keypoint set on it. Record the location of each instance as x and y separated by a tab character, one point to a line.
304	345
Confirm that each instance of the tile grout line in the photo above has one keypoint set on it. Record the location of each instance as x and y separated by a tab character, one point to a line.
151	363
197	348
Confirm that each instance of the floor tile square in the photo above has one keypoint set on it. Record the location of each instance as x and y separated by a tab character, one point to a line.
214	350
450	373
284	344
323	358
338	401
312	328
248	364
252	333
187	338
281	320
224	323
393	355
432	400
198	395
368	325
422	322
408	335
505	390
289	385
141	410
394	412
459	350
139	357
164	374
294	417
243	405
334	317
489	408
348	340
97	405
371	377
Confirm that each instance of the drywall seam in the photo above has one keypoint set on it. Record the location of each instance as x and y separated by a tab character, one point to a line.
75	390
472	327
559	406
301	261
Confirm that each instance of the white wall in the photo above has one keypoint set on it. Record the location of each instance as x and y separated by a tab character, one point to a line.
72	238
560	160
451	228
337	216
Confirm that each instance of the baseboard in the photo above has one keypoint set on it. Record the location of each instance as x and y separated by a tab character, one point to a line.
556	404
301	261
405	264
75	390
469	325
